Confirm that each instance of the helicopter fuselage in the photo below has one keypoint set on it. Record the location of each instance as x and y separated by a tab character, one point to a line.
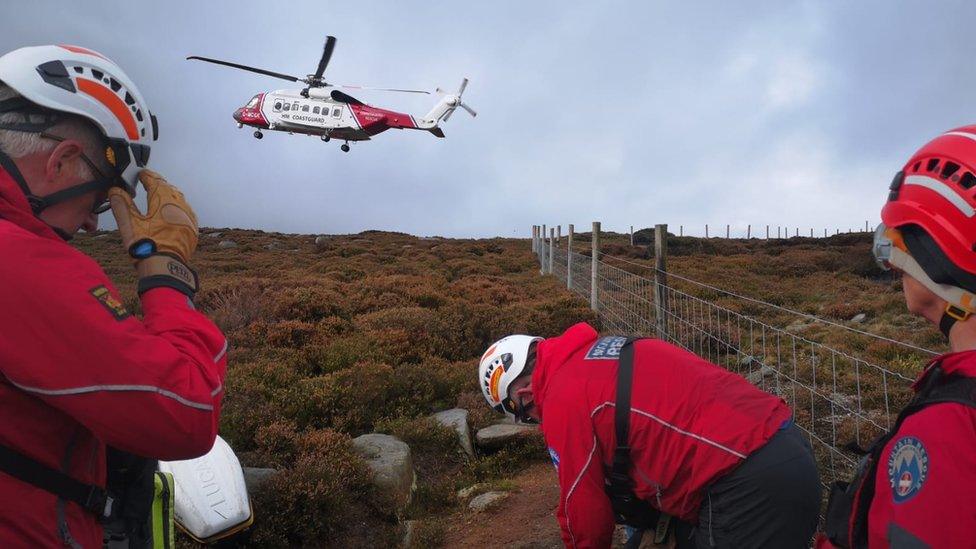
333	115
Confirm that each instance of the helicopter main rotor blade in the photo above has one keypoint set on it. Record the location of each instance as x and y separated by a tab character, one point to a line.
464	84
330	42
380	89
247	68
469	109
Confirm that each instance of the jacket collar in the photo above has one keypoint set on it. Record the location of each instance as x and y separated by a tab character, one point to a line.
15	208
553	353
961	363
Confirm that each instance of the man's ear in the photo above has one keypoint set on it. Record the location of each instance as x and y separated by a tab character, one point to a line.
61	162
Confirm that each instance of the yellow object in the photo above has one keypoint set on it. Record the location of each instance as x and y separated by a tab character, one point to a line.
163	533
169	223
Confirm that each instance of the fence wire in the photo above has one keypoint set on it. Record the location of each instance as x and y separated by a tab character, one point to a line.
836	396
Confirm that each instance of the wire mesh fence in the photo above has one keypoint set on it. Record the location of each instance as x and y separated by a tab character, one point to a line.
837	396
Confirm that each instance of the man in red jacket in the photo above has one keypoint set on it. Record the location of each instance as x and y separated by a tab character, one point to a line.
79	371
916	486
704	445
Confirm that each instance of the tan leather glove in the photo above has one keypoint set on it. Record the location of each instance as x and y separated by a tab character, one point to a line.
162	240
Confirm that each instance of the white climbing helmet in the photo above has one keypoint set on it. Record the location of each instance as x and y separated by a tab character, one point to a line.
500	365
80	81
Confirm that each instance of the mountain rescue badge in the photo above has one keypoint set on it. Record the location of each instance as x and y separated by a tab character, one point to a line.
908	467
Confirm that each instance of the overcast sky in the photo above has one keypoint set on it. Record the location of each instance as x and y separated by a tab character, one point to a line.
687	113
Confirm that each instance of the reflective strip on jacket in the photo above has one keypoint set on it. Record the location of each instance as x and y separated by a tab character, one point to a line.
79	373
691	422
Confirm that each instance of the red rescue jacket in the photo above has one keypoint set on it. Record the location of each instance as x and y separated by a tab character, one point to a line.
925	486
78	372
691	422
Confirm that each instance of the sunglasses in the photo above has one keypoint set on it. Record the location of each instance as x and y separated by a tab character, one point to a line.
101	206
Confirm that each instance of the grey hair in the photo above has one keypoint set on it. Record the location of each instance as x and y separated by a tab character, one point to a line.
18	144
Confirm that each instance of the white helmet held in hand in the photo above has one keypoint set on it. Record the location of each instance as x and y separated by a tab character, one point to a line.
501	364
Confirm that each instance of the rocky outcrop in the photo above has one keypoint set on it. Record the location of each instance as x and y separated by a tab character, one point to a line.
496	436
457	419
392	464
254	477
227	244
487	501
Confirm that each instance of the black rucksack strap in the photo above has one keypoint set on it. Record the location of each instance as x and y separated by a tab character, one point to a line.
621	415
91	498
627	507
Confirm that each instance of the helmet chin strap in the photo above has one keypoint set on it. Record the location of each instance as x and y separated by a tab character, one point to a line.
522	412
40	203
955	297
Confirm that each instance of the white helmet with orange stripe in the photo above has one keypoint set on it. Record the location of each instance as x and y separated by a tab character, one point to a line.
83	82
501	364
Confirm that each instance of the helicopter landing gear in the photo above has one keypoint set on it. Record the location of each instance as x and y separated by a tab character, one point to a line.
326	138
258	134
345	147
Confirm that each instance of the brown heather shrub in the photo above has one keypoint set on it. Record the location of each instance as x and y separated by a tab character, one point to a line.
324	499
309	303
233	307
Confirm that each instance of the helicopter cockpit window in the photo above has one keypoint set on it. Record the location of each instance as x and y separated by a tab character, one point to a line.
277	106
315	110
336	112
287	107
253	102
304	108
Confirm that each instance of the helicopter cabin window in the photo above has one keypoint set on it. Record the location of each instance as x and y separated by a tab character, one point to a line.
277	106
287	107
294	106
315	110
253	102
336	112
304	108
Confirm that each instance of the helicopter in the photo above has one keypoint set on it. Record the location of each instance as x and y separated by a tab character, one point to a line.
322	110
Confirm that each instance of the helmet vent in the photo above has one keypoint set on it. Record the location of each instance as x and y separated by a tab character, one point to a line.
129	100
80	70
114	84
968	181
917	166
948	169
932	165
98	74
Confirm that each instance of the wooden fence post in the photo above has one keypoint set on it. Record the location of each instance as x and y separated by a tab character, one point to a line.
811	232
681	230
767	232
595	270
748	231
706	230
552	244
726	231
631	235
569	258
559	233
533	238
661	279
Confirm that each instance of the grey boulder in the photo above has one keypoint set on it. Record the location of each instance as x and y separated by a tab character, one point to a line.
391	462
457	419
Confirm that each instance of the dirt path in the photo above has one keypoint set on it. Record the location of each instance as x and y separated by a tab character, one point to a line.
526	520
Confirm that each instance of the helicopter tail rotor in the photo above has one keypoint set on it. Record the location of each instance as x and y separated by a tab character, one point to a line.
453	101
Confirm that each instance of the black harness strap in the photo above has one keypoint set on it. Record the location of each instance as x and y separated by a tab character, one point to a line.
92	498
627	507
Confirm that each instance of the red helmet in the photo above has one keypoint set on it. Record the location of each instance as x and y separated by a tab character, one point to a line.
936	191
